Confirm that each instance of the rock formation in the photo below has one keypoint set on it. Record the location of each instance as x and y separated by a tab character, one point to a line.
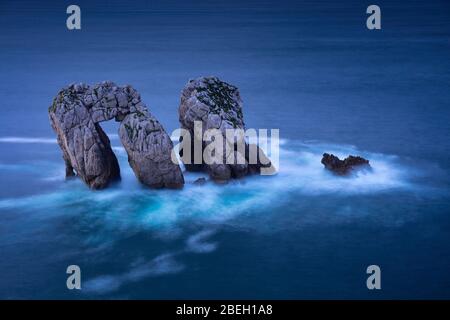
216	105
200	181
343	167
75	115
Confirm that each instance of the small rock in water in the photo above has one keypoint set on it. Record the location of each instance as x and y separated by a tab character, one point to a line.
343	167
200	181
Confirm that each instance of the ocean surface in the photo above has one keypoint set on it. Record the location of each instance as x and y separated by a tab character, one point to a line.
308	68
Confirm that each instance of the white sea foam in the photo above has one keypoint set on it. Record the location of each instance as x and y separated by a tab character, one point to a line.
300	173
161	265
129	207
42	140
197	242
164	264
28	140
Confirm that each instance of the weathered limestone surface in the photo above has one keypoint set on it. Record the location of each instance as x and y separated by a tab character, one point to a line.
218	105
149	151
75	115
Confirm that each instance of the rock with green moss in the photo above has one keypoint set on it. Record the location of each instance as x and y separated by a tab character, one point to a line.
75	115
216	105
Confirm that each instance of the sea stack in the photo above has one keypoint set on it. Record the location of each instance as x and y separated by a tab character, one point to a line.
75	116
217	105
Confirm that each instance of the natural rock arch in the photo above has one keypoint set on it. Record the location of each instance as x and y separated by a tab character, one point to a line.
75	115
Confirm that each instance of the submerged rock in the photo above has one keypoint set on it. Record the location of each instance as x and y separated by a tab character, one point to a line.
343	167
262	160
200	181
75	115
216	105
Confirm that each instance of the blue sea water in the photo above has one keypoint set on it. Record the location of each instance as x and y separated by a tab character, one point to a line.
308	68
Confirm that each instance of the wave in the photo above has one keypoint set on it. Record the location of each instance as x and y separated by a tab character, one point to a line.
164	264
300	176
161	265
300	171
42	140
28	140
300	193
197	242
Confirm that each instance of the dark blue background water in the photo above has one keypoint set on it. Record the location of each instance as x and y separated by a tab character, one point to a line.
309	68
